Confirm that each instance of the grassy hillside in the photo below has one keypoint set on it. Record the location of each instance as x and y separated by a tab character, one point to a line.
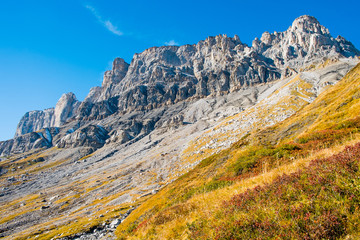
280	182
320	201
196	205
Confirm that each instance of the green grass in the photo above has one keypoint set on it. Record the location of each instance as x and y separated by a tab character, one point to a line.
321	201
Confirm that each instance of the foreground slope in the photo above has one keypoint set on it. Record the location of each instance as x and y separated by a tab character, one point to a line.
319	199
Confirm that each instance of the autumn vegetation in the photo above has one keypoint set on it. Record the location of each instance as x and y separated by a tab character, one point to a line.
298	179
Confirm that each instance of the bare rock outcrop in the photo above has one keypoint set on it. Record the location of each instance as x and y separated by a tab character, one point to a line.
305	41
95	111
118	72
162	77
29	141
88	136
35	120
218	65
65	108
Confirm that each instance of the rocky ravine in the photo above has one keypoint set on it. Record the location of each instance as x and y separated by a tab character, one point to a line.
154	119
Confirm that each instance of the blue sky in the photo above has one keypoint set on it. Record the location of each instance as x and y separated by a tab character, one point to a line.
48	48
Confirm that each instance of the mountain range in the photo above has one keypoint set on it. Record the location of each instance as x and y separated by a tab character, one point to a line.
178	124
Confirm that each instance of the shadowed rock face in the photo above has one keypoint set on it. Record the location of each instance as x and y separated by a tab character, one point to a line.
96	111
90	136
29	141
161	77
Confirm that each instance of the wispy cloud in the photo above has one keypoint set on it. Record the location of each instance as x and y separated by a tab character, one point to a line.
171	43
106	23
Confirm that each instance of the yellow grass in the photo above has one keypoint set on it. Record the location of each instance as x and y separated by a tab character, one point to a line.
205	206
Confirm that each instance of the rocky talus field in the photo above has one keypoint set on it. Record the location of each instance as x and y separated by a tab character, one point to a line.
215	140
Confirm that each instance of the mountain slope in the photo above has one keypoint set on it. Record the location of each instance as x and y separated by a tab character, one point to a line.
193	206
123	178
102	160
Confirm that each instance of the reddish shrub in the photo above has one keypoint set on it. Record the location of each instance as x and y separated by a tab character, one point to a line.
314	203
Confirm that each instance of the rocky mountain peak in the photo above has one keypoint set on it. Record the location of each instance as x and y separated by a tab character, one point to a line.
35	120
308	24
118	72
305	41
65	108
219	65
93	94
119	64
221	41
70	96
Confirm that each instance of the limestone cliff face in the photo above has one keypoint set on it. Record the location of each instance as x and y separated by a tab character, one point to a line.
218	65
165	76
304	42
35	120
92	136
29	141
118	72
66	108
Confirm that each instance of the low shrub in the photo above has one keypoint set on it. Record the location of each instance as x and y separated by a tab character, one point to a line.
321	201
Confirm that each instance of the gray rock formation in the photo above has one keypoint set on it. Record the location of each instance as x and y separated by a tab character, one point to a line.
218	65
29	141
304	42
93	94
88	136
118	72
35	120
94	111
162	77
65	108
